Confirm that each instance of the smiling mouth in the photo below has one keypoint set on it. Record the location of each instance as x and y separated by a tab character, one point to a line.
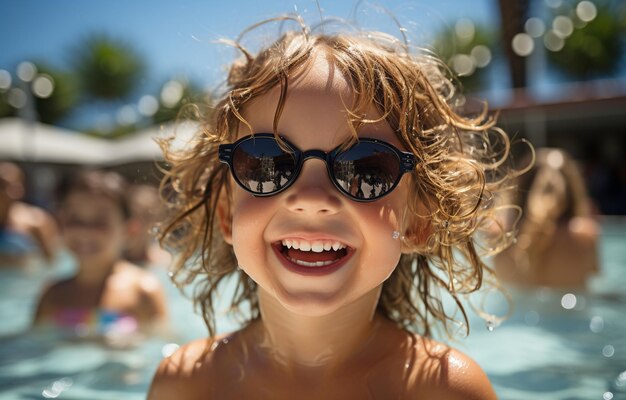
312	254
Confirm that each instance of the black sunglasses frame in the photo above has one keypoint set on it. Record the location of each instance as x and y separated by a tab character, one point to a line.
406	162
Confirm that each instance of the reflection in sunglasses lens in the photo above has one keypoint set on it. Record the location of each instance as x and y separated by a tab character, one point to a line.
262	166
367	171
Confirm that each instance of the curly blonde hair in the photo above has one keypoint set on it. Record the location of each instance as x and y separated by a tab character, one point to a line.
464	164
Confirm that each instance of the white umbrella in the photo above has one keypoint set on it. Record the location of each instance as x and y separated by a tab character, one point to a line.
37	142
142	145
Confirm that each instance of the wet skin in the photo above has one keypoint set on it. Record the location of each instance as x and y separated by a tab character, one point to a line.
319	335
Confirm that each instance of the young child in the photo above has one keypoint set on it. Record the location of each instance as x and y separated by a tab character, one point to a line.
557	244
340	187
108	295
146	210
25	230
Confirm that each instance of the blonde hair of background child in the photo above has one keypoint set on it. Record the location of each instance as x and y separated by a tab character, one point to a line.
552	193
464	164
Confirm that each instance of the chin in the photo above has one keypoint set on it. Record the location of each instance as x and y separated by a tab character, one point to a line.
313	304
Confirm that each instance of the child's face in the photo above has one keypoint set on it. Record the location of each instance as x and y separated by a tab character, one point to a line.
312	211
93	227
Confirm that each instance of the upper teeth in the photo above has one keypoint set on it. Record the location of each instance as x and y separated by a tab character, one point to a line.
316	246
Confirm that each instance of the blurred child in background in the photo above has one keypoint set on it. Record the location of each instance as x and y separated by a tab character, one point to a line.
108	294
557	243
145	211
25	230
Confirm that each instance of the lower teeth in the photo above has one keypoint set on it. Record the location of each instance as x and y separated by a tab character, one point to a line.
310	264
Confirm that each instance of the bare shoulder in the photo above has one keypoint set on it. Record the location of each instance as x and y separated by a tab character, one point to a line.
144	279
184	374
584	229
446	373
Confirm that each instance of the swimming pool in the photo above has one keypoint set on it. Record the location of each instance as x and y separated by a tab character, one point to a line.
555	345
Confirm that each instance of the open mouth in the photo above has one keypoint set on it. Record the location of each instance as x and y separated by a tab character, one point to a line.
316	255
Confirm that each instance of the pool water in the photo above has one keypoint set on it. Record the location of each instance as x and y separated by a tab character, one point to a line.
561	345
554	346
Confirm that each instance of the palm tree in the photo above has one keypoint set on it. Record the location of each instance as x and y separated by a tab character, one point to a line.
513	14
63	98
108	69
176	95
594	48
467	49
54	94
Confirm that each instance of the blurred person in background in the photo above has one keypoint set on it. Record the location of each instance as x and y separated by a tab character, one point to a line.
25	230
108	296
146	210
557	244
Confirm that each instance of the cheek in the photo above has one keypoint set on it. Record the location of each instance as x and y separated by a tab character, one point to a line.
382	250
250	216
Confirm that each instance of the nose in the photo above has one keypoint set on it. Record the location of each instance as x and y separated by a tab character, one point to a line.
313	193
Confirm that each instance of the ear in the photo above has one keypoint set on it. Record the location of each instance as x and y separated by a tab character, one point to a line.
224	217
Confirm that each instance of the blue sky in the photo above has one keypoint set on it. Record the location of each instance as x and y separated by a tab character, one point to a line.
177	37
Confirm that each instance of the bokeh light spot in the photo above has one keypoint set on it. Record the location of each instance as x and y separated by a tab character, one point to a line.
43	86
465	30
553	42
597	324
555	159
5	79
26	71
481	55
16	98
523	44
586	11
126	115
172	93
463	64
568	301
608	351
148	105
535	27
563	26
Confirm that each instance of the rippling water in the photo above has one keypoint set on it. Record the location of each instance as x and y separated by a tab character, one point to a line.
561	345
555	345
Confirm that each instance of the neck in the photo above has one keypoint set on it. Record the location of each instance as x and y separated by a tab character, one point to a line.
295	340
90	273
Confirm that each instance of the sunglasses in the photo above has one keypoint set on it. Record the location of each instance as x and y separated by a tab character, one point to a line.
365	171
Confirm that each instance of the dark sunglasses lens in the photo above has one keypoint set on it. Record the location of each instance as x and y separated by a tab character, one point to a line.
261	166
367	171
